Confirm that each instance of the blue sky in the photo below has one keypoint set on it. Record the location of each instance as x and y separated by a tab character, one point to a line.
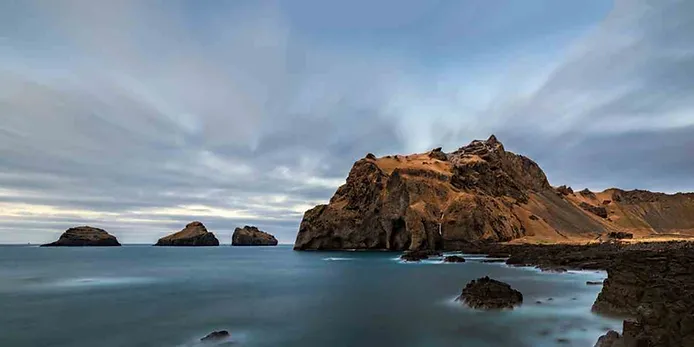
140	116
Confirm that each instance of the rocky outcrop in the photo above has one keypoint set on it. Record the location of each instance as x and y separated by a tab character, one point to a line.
251	236
657	288
194	234
216	336
488	294
84	236
620	235
596	210
480	192
418	255
453	259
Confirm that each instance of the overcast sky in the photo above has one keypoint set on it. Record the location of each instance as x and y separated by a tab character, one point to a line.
140	116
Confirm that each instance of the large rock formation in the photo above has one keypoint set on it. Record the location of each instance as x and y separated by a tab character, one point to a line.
251	236
480	192
489	294
194	234
443	201
84	236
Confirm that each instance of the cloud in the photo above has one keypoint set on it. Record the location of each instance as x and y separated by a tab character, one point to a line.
142	116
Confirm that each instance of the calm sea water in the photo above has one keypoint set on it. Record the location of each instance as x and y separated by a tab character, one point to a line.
152	296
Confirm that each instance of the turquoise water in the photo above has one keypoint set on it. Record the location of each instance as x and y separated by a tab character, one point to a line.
273	296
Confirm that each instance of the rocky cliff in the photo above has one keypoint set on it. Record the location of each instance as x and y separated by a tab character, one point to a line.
251	236
84	236
194	234
480	192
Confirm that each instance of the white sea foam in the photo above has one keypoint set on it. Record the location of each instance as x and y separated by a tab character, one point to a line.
337	259
84	282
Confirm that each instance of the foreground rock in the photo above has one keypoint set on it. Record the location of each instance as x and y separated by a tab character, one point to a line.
194	234
488	294
251	236
657	288
84	236
453	259
216	336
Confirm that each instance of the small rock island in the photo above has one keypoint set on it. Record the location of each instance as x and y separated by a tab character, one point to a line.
194	234
84	236
251	236
489	294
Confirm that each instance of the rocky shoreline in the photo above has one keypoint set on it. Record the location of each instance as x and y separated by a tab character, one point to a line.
650	283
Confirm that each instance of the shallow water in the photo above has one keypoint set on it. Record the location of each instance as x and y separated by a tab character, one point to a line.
273	296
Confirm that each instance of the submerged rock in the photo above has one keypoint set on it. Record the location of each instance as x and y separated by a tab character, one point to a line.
608	340
251	236
488	294
216	335
194	234
84	236
453	259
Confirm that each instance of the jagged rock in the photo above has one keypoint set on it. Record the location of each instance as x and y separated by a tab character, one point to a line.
84	236
608	340
370	156
620	235
251	236
453	259
655	285
587	193
216	336
436	153
488	294
194	234
596	210
565	190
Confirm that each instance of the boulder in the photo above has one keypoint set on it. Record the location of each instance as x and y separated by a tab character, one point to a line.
418	255
216	336
453	259
84	236
488	294
194	234
251	236
608	340
620	235
437	154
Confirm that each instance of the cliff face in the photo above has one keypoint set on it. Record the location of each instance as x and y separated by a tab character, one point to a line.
436	200
480	192
194	234
84	236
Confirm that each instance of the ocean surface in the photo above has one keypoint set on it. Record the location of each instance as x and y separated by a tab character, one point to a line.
272	296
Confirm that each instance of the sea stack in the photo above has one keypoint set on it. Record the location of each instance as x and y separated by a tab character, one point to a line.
489	294
194	234
251	236
84	236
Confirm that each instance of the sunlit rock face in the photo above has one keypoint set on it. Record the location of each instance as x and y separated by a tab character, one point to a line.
85	236
480	192
194	234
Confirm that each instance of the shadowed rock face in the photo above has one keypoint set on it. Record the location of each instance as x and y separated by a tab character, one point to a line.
251	236
435	200
84	236
194	234
488	294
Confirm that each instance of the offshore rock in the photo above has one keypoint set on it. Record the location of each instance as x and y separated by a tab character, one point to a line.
251	236
488	294
84	236
194	234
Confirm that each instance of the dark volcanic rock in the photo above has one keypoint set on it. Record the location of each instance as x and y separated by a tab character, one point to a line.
453	259
594	283
565	190
194	234
596	210
657	287
620	235
251	236
84	236
436	153
216	336
488	294
608	340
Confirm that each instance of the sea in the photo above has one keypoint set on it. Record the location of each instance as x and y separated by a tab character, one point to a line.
139	295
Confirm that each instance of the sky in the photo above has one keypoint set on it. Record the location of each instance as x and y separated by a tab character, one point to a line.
141	116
